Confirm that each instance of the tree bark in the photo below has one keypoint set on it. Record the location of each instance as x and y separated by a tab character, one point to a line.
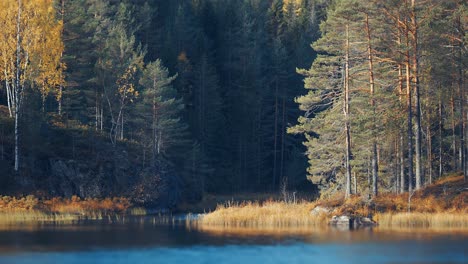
418	134
454	140
410	128
375	165
402	138
97	111
154	148
402	163
346	116
275	144
9	94
397	165
283	131
440	138
429	153
461	91
18	88
355	183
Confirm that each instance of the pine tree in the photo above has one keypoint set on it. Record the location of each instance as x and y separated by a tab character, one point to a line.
161	113
333	82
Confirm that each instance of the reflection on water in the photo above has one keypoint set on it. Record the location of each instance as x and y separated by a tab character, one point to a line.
330	234
144	239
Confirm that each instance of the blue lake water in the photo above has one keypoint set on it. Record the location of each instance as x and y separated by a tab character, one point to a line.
144	241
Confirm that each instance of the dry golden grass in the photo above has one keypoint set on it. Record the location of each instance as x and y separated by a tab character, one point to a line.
424	220
210	202
31	209
38	216
267	214
440	205
63	205
256	231
77	205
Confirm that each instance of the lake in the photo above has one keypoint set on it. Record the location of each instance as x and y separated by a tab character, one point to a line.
147	240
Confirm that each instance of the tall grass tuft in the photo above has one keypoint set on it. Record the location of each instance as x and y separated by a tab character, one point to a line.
268	214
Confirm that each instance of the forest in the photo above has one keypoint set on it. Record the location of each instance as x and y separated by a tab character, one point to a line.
163	101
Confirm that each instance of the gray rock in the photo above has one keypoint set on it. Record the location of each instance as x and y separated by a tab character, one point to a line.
320	210
153	187
351	222
363	222
343	220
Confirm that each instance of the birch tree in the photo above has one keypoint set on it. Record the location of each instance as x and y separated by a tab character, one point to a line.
30	49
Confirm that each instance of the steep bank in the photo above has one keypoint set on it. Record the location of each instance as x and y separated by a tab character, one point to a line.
61	158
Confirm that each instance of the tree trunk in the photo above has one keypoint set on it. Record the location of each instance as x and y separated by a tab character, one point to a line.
159	142
402	138
370	56
454	141
101	120
397	166
440	138
17	150
369	162
283	131
346	115
355	183
17	88
418	134
461	91
410	129
154	138
410	111
9	92
96	108
402	163
122	127
396	170
275	144
429	152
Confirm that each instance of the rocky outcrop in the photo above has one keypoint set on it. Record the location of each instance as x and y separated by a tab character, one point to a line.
70	177
320	210
67	160
153	187
351	222
108	173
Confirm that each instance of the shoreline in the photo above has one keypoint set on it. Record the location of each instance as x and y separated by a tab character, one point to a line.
57	209
281	215
440	205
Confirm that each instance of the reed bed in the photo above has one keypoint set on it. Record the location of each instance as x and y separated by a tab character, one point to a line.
258	231
442	205
267	214
31	209
451	220
36	216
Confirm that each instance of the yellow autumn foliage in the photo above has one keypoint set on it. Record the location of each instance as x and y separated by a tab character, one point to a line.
40	46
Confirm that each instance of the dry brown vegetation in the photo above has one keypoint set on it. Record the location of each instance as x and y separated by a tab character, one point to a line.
30	208
267	214
453	220
440	205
